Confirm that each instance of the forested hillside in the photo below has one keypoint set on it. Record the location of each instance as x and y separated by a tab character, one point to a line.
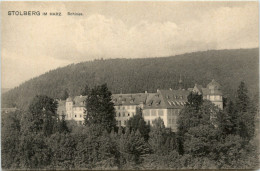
228	67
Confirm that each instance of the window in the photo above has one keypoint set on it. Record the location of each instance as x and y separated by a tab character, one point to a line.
154	112
128	114
80	116
75	116
146	112
123	114
119	114
160	112
124	122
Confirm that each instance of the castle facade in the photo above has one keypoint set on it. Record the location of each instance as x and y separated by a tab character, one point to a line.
165	104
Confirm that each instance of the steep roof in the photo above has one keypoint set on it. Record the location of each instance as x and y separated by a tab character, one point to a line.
79	101
198	88
155	102
205	91
214	83
168	99
69	99
129	99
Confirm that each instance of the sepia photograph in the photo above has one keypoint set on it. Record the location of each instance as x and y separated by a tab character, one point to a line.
130	85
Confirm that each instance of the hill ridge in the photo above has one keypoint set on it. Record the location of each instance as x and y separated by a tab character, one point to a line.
228	67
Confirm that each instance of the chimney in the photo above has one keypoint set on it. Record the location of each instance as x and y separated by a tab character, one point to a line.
145	92
157	90
170	89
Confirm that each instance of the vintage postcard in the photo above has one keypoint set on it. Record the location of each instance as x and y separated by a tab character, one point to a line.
129	85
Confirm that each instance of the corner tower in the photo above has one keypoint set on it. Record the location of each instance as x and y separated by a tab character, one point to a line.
215	93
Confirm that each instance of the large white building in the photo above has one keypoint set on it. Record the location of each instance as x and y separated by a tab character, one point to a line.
165	104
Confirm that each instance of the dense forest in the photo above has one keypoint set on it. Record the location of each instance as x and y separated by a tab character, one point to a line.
206	138
228	67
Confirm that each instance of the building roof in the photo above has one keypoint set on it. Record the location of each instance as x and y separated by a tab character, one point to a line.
129	99
198	88
69	99
206	91
168	99
214	83
79	101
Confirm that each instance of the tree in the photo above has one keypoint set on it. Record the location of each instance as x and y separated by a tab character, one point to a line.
34	151
63	128
137	123
63	149
195	100
100	108
228	120
242	99
246	112
11	131
135	148
191	125
157	135
42	114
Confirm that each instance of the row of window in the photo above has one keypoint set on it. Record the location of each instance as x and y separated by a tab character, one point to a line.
172	121
123	114
79	116
125	107
153	112
173	112
79	109
121	123
215	97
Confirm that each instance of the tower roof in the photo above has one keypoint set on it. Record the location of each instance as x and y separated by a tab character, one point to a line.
69	99
214	83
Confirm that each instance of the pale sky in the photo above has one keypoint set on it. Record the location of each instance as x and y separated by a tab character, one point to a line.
33	45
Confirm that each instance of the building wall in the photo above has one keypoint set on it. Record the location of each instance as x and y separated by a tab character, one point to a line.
216	99
75	112
78	114
152	114
169	117
69	110
172	116
124	112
